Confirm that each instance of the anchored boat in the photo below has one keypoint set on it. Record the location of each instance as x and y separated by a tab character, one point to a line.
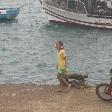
8	13
93	13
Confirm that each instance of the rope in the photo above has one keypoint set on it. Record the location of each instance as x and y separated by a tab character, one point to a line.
26	4
40	1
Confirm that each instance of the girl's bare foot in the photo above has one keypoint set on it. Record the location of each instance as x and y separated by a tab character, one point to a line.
68	87
59	90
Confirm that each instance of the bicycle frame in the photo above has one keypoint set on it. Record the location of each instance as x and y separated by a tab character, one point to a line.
109	91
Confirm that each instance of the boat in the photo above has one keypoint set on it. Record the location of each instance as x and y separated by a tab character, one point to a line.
9	13
90	13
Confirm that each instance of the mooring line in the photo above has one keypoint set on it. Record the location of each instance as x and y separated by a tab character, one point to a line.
27	3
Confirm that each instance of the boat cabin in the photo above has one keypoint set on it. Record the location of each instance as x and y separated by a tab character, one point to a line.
93	8
100	8
96	8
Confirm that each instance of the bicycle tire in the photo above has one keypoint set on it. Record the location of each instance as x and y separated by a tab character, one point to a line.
98	93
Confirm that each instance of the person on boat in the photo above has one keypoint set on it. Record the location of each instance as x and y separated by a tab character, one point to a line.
98	3
100	8
62	66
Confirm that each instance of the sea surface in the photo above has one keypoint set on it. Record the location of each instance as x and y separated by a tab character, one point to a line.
27	53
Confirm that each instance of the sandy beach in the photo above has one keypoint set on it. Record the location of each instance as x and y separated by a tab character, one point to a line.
35	98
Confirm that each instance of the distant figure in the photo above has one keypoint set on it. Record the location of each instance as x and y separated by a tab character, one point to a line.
100	8
62	66
98	3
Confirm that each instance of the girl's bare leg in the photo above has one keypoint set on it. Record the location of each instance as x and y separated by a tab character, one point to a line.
64	81
61	84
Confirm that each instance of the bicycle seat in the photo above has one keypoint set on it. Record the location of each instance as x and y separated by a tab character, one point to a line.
77	76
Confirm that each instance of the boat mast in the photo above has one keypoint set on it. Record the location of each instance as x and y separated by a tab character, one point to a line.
91	5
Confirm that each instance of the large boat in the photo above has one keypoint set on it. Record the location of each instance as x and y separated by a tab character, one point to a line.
93	13
9	13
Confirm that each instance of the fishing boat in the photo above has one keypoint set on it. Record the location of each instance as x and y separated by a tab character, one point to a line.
8	13
92	13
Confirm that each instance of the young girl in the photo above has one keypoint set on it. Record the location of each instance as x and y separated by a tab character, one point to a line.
62	66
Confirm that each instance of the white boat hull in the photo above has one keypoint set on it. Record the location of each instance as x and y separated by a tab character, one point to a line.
60	15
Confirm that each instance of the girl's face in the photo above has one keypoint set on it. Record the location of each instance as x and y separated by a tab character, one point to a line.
57	45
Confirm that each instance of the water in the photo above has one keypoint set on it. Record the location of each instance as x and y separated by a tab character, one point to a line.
27	53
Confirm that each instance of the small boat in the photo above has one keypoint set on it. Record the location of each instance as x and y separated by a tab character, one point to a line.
9	13
92	13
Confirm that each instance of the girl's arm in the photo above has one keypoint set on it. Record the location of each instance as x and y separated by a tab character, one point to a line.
65	58
56	66
65	61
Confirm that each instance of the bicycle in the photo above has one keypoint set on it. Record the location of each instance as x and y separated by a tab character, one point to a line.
104	90
78	80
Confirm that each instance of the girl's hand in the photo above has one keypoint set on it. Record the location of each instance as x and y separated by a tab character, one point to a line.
65	66
56	66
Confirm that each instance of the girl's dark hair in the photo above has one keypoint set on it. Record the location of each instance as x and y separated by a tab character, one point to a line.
61	43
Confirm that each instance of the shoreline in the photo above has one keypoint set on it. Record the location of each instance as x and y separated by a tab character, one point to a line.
44	98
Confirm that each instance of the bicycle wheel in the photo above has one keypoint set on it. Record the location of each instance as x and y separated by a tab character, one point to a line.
102	92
